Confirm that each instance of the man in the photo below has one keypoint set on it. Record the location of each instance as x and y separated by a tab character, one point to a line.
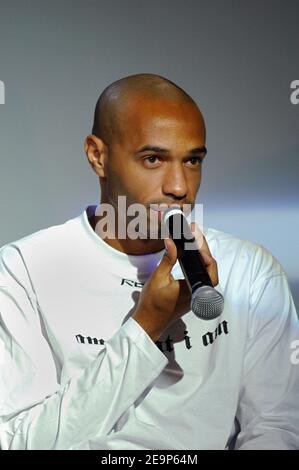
100	348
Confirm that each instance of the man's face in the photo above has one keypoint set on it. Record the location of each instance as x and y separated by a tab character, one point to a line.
157	158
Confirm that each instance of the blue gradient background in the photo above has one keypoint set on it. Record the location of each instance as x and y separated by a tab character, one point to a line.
235	58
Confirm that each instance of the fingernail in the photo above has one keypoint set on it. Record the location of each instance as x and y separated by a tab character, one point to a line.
166	241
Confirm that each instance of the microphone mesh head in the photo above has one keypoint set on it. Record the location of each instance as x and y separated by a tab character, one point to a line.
207	303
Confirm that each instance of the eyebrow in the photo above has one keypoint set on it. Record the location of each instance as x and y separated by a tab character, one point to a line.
153	148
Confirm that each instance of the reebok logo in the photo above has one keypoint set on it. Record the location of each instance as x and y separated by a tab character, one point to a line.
131	283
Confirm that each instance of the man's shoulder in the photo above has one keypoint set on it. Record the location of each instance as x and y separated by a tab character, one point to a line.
42	240
224	241
231	249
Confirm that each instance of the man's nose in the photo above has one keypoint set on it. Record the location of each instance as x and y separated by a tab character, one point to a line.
175	183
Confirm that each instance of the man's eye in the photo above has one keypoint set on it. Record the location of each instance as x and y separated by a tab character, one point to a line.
195	161
151	159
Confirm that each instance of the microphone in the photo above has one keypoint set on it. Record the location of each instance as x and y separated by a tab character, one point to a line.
206	302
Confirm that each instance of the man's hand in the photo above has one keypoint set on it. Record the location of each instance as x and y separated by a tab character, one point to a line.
163	299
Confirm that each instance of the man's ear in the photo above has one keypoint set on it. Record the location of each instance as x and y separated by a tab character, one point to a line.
97	152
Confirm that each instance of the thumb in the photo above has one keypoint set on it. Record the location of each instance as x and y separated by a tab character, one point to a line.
170	256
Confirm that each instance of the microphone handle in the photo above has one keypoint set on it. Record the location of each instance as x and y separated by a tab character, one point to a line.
191	261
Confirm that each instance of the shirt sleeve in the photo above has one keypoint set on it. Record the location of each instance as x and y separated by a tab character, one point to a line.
36	412
268	411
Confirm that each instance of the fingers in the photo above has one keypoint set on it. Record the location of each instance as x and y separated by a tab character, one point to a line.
202	242
169	258
211	266
184	290
206	254
170	250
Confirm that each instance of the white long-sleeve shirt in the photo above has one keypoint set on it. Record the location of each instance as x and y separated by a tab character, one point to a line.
77	372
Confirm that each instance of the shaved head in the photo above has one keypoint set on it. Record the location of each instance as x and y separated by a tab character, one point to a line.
147	144
116	98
